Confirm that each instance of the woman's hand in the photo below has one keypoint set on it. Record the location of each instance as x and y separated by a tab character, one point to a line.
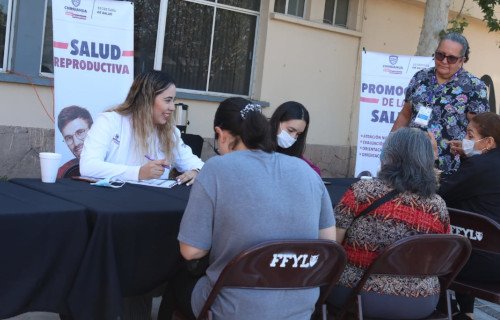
152	170
187	177
456	148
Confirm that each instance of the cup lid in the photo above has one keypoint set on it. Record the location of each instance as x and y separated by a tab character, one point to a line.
50	155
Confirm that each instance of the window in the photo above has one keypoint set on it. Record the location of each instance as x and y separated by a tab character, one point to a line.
208	46
291	7
5	7
336	12
47	50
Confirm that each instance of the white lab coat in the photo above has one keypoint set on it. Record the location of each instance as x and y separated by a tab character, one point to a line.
110	150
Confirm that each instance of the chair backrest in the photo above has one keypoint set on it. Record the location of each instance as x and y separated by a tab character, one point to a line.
286	264
441	255
72	171
194	141
483	232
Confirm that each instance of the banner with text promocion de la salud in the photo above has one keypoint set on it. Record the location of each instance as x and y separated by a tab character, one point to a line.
384	79
93	43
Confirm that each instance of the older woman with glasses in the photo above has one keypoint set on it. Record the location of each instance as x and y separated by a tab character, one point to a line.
444	98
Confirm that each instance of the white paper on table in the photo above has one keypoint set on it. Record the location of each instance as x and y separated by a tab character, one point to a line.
160	183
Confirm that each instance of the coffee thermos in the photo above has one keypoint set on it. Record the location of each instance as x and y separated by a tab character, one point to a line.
181	116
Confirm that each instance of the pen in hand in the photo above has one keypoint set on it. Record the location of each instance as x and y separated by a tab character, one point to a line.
151	159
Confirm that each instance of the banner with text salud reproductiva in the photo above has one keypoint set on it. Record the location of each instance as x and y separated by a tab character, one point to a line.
384	78
93	43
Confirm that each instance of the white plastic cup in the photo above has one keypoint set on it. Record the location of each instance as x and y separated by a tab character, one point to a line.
49	165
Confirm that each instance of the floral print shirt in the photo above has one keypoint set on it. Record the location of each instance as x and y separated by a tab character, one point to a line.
450	103
405	215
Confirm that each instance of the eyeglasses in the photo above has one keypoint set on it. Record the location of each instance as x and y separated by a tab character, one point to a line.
80	134
451	59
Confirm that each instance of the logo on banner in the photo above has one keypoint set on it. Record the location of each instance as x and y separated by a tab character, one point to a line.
393	60
393	68
75	12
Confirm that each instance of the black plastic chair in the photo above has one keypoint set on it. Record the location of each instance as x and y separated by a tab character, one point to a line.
441	255
194	141
484	235
254	268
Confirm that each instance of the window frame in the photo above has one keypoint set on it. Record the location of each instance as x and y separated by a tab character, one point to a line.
160	42
293	15
334	15
23	63
45	74
8	42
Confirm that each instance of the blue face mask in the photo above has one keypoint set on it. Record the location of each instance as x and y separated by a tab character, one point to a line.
109	184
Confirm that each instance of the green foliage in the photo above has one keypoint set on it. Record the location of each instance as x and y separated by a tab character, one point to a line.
4	178
488	8
457	24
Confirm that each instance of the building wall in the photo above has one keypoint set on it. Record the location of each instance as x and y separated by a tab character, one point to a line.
26	106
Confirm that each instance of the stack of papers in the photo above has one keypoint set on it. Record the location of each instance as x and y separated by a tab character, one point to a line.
161	183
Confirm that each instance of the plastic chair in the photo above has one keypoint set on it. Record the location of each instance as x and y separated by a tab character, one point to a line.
72	171
263	266
194	141
484	235
422	255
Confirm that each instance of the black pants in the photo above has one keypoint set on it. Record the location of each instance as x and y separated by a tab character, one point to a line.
177	296
481	267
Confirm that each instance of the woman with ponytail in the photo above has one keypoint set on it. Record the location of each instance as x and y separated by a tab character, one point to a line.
242	198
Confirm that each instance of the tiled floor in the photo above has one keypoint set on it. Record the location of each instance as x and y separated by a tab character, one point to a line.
483	311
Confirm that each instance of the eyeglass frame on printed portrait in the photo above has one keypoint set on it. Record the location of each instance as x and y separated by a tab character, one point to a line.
438	55
81	134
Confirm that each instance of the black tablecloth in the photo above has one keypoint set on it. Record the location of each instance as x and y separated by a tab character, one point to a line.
133	246
337	187
42	243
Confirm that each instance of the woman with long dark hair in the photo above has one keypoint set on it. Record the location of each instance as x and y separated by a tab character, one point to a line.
289	125
242	198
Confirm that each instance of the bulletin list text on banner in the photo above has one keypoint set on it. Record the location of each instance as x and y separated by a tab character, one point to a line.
93	66
384	78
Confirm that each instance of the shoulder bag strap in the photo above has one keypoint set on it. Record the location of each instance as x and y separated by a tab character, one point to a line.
377	203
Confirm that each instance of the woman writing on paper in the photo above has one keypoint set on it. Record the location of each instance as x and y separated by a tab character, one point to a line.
138	139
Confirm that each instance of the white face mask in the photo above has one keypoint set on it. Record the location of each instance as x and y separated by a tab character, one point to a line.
468	147
285	140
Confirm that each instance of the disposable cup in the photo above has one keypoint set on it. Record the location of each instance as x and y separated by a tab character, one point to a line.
49	164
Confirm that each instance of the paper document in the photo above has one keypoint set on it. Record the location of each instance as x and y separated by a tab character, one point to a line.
161	183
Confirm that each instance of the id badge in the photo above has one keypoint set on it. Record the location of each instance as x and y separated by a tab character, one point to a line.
423	116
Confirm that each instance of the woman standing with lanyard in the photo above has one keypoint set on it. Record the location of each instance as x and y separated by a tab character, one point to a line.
443	99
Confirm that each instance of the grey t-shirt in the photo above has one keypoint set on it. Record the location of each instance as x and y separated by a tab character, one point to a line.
245	198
